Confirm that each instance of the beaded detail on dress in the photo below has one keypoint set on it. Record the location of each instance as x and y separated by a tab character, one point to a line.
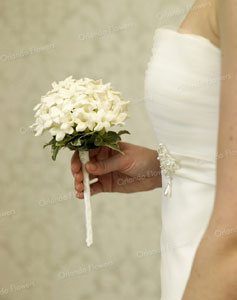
168	165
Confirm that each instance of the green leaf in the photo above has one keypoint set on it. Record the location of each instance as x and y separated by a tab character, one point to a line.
54	151
90	142
123	132
50	143
88	133
87	130
99	141
87	140
66	140
111	137
76	142
114	147
102	131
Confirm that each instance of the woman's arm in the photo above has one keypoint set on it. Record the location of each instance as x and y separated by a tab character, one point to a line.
214	271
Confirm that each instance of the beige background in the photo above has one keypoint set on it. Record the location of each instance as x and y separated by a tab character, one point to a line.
42	236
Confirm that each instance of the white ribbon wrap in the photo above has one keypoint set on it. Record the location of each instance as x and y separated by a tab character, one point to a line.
84	157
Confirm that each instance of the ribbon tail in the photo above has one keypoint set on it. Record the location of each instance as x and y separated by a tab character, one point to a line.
167	192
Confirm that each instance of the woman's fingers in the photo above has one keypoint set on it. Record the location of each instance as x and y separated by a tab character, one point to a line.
79	187
79	177
75	163
78	180
76	168
95	188
102	154
94	152
117	162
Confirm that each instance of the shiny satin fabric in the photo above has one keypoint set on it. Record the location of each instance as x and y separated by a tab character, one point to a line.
182	91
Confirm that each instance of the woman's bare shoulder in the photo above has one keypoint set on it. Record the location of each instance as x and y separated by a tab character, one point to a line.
202	19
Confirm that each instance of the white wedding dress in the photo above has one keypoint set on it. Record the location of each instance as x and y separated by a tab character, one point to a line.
182	90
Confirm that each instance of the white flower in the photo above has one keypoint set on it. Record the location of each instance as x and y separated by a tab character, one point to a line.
78	105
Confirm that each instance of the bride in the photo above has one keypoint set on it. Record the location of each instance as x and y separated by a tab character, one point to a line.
190	96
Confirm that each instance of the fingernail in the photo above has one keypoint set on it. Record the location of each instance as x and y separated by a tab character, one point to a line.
92	166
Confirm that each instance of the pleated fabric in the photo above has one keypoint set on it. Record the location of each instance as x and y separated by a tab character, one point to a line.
182	94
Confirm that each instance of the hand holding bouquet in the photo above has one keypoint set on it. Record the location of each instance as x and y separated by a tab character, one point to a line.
78	114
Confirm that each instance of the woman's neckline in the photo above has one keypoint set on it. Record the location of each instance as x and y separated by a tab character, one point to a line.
192	35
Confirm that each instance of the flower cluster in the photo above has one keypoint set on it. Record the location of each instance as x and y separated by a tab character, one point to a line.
78	106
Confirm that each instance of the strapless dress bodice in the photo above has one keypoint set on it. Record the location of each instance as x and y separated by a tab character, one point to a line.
182	87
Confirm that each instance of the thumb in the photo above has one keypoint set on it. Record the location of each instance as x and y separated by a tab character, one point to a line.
114	163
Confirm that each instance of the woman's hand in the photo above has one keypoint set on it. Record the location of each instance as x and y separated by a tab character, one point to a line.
136	171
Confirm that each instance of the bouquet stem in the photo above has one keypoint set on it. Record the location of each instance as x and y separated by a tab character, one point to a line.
84	157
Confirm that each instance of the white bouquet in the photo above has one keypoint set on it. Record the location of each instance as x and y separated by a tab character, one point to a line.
78	114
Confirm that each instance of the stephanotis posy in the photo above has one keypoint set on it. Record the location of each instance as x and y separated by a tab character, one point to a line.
74	106
78	114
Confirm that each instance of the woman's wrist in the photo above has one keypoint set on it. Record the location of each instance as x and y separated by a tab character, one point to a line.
154	170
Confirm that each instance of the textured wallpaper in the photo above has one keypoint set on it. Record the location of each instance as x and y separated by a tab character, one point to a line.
43	254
